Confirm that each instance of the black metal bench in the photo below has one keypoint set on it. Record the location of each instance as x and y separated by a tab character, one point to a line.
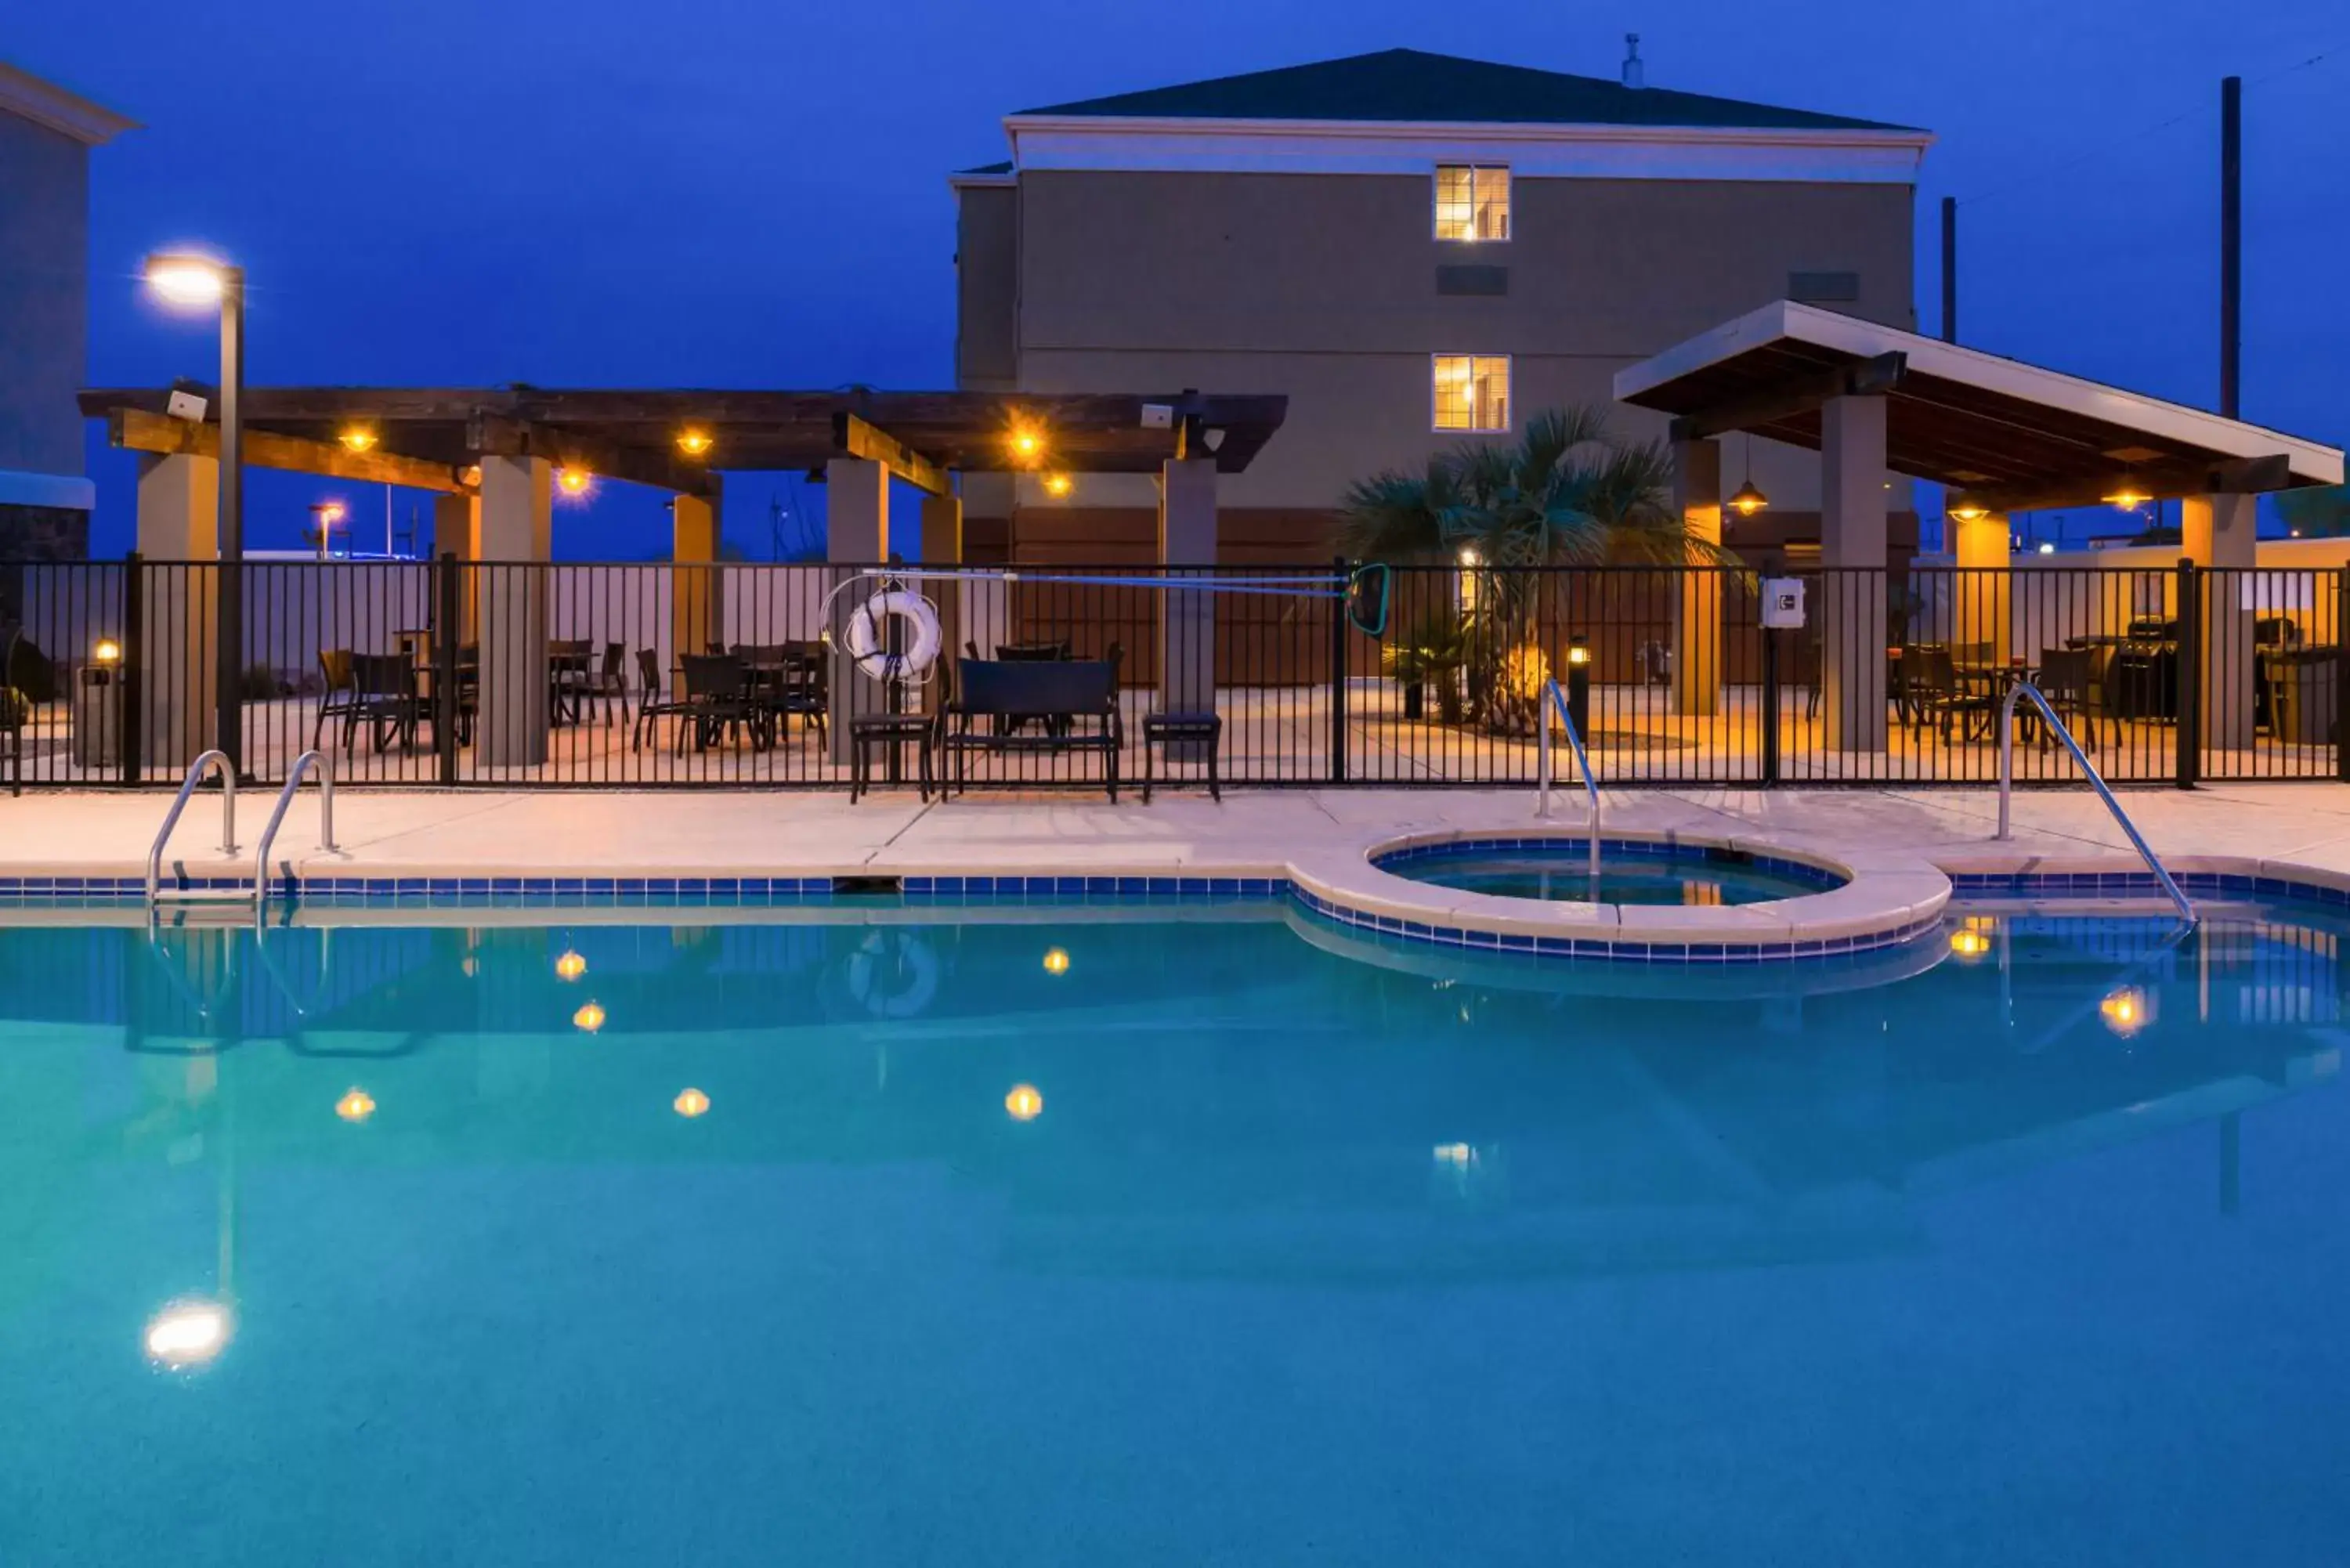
1076	699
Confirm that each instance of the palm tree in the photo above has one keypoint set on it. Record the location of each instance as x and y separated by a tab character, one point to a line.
1569	492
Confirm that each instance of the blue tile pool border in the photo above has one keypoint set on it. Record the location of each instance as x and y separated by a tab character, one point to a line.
949	891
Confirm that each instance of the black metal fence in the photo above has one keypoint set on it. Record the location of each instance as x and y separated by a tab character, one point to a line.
448	672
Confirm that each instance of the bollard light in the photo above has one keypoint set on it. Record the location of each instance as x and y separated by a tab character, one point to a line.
1578	685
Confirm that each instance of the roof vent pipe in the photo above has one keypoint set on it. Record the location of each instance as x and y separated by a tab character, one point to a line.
1635	73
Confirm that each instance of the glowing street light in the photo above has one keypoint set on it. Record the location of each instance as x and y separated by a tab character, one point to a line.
192	281
573	479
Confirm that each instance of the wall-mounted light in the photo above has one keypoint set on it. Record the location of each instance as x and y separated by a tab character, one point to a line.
1968	512
357	438
573	479
693	442
106	651
1058	485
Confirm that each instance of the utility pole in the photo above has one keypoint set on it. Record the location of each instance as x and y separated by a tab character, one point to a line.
2231	244
1950	269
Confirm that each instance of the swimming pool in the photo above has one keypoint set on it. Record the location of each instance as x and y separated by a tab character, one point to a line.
1173	1234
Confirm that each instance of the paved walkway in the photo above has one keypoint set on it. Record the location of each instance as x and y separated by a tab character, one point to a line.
459	832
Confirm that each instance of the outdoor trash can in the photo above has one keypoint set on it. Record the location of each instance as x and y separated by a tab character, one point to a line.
2301	688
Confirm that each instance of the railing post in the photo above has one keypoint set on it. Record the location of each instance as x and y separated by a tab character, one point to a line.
2188	680
2342	675
1770	707
447	631
130	718
1338	676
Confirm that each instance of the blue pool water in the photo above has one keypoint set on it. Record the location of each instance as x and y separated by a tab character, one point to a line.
1187	1235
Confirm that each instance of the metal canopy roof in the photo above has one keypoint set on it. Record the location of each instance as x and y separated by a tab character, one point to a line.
632	434
2013	435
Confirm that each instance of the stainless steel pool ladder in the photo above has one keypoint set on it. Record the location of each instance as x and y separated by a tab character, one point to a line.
2023	689
1556	699
217	762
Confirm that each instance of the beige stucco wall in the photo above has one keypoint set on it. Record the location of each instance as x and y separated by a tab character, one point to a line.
987	349
1323	287
43	296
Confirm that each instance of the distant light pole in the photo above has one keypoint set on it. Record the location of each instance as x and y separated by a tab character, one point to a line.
192	281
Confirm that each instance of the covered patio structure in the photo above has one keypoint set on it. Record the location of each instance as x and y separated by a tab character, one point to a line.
2004	437
495	458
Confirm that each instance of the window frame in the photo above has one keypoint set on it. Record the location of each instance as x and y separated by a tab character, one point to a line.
1436	206
1509	394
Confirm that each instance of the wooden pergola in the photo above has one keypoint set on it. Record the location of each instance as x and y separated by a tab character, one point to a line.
435	437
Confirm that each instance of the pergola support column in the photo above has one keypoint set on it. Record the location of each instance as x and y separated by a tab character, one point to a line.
1187	618
1853	628
856	533
457	531
694	612
515	539
2219	532
1697	608
179	535
1981	618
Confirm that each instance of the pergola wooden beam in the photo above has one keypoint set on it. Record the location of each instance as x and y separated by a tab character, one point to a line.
1798	395
852	437
2241	476
135	430
492	436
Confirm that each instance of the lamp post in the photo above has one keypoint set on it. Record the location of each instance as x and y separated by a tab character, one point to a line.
193	281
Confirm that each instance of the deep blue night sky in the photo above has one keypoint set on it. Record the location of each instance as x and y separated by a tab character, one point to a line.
738	192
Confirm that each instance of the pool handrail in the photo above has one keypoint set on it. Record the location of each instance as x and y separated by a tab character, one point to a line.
2023	688
1553	698
205	763
302	765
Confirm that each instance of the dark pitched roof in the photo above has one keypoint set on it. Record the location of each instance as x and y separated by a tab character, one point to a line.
1413	85
1003	168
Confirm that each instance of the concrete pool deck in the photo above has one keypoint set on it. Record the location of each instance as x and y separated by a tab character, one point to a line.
1901	845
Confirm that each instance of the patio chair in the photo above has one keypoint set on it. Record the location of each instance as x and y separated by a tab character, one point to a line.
1933	693
608	683
2068	679
651	704
567	677
804	686
340	697
717	697
383	697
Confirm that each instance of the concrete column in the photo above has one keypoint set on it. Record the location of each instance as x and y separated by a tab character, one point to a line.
457	531
1697	607
857	532
1853	628
178	523
2218	531
1981	615
694	618
1187	620
942	546
517	531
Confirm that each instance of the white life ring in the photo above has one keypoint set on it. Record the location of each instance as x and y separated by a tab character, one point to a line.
918	965
864	639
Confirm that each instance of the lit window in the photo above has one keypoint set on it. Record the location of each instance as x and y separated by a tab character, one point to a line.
1472	391
1472	201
